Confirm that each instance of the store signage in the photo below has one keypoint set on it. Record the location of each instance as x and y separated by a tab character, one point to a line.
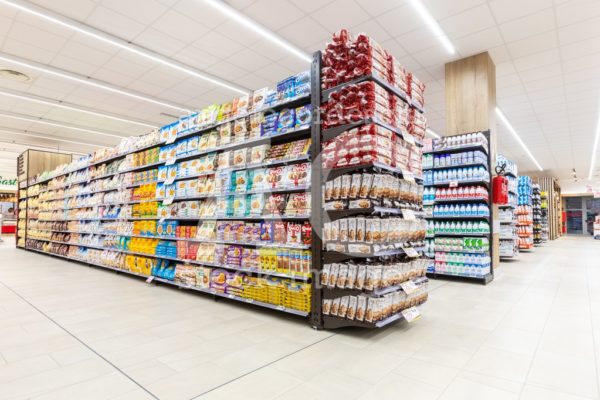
8	182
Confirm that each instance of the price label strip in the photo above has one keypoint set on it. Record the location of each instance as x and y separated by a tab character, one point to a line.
150	279
411	314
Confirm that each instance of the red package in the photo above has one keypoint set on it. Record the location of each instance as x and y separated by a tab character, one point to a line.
306	234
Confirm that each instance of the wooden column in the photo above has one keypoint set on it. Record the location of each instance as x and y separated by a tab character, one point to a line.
470	107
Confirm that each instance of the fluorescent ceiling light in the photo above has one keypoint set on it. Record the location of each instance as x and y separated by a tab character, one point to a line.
11	132
505	121
433	25
45	122
433	133
73	108
118	42
594	150
86	81
257	28
38	147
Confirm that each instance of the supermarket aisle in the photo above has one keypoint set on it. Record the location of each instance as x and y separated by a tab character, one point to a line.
75	332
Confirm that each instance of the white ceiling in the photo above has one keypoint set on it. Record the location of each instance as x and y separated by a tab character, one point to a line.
547	54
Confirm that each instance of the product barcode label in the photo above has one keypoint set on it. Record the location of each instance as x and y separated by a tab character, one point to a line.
411	314
408	287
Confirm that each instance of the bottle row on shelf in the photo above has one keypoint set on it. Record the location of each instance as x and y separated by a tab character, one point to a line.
465	174
449	143
466	193
454	160
457	228
461	210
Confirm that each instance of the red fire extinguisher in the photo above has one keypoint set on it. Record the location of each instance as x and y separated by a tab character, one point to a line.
500	187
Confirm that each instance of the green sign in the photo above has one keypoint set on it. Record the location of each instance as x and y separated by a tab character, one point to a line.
7	181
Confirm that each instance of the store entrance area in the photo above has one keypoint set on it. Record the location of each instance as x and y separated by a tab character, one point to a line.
581	212
72	331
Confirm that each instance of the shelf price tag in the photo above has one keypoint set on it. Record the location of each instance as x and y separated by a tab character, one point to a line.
150	279
231	296
280	308
411	252
411	314
408	215
249	300
453	184
408	287
168	201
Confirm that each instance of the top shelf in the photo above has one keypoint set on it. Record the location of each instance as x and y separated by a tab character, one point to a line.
380	81
459	149
297	101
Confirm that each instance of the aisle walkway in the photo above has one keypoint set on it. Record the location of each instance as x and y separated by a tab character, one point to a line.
68	331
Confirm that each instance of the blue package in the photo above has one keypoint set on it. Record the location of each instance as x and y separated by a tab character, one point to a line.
285	88
303	116
269	125
183	125
302	84
272	98
286	120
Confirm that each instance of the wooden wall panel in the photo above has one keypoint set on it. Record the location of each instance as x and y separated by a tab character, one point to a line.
470	107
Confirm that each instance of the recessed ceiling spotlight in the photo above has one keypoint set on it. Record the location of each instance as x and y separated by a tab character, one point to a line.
14	75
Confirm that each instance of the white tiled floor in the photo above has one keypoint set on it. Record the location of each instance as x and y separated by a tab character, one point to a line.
68	331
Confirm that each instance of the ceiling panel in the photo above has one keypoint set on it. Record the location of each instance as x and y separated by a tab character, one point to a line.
546	52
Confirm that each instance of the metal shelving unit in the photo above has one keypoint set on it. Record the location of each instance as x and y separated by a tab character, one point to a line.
484	279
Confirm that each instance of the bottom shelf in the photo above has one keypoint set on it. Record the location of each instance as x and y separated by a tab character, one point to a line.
330	322
194	288
485	279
